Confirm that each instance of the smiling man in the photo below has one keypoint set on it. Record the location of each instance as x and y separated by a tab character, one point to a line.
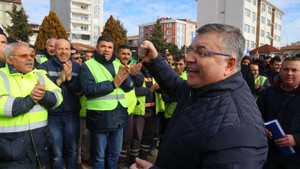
104	82
64	120
25	96
281	101
216	123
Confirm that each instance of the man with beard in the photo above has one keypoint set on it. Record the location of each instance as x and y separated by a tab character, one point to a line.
25	96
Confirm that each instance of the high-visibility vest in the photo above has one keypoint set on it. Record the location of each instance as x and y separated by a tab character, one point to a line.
82	112
130	97
170	107
261	79
20	85
41	58
109	101
141	107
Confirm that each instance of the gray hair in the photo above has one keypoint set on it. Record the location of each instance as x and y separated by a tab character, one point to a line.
49	40
233	40
10	47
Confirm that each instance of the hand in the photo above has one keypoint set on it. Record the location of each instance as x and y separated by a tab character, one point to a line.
257	85
37	92
269	134
68	70
147	51
121	76
134	69
154	87
61	78
256	57
141	164
287	140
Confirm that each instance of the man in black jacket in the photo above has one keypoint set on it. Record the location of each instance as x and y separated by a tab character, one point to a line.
216	123
281	102
104	82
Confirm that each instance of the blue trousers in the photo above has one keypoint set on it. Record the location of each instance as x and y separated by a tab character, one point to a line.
65	131
106	148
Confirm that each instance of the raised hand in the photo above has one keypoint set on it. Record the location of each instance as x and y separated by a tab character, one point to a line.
37	92
121	76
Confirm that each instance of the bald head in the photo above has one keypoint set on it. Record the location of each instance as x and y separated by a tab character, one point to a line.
62	50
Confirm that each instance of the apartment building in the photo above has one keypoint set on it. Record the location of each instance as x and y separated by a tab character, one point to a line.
177	31
259	20
6	5
82	19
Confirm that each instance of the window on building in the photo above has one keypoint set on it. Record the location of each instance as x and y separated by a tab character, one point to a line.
75	16
247	12
252	44
96	30
96	10
263	7
263	20
247	44
275	26
268	22
169	40
279	27
254	2
253	16
86	37
169	25
247	28
74	26
141	30
269	10
146	28
280	16
97	2
169	32
83	7
84	28
253	30
96	20
268	35
262	33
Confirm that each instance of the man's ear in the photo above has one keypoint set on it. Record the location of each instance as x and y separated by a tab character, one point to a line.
230	66
9	60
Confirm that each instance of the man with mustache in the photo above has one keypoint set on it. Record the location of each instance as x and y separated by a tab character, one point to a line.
216	123
25	96
64	120
44	55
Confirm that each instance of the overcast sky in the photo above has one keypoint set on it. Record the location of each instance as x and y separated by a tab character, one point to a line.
132	13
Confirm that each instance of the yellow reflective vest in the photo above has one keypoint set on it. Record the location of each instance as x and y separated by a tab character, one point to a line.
170	107
109	101
20	85
41	58
140	108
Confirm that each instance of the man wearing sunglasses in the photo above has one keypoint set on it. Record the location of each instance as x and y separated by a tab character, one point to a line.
25	96
216	123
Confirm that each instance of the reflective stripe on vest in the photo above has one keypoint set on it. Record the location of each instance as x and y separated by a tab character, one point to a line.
24	127
40	58
34	118
57	74
111	100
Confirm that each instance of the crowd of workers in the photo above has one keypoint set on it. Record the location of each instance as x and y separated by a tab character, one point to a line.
207	108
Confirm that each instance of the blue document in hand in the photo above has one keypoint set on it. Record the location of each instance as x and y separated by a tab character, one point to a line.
274	127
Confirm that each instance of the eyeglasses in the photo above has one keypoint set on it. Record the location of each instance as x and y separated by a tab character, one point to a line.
201	51
76	58
25	56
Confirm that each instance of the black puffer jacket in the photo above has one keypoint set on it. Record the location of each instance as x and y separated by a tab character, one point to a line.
217	126
275	103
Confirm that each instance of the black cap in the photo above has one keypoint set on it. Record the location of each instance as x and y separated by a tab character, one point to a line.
2	33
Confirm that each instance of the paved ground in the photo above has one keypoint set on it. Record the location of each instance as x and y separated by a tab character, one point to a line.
151	158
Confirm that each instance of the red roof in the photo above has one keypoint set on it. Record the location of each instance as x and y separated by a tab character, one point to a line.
13	1
265	49
83	48
292	47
